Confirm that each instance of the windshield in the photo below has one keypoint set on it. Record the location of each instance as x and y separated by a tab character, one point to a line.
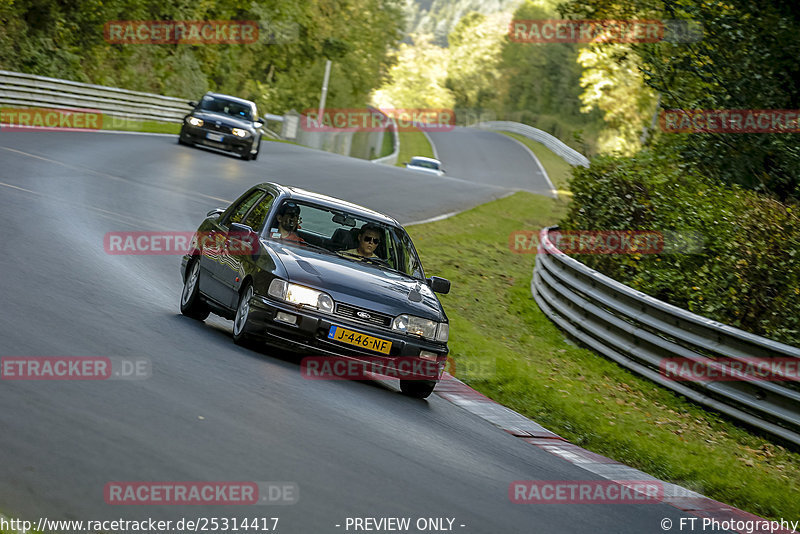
351	236
227	107
425	163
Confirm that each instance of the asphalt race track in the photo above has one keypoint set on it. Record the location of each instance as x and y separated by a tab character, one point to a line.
212	411
485	157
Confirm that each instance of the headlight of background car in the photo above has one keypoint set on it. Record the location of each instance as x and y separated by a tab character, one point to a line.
300	295
240	133
194	121
418	326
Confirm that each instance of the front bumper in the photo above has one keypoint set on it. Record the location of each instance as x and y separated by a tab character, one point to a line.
310	335
221	140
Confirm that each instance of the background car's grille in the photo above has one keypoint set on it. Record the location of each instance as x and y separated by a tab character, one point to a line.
221	128
351	312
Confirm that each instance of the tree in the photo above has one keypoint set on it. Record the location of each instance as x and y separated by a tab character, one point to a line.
613	83
745	60
417	80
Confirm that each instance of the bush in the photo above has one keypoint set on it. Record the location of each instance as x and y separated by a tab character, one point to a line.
746	275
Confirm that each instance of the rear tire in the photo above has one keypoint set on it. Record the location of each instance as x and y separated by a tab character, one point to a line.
191	303
241	320
419	389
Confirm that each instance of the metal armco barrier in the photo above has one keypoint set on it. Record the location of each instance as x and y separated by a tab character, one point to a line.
640	332
571	156
17	89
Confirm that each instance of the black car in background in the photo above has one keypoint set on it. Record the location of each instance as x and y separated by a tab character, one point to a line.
312	290
223	122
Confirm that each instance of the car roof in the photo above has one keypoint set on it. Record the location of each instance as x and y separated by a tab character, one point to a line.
423	158
299	194
233	98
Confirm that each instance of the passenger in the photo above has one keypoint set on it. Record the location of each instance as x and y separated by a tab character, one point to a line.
369	237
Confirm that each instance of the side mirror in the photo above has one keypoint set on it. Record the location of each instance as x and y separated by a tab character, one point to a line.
258	124
242	240
438	285
193	103
215	211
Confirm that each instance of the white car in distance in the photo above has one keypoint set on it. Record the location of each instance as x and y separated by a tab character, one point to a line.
426	165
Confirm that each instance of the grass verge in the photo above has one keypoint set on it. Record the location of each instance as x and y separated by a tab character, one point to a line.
388	144
515	355
413	143
127	125
557	169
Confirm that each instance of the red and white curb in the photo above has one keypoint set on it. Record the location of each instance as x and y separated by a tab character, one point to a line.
516	424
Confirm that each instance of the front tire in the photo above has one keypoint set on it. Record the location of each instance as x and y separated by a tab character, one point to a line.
419	389
182	140
191	303
241	321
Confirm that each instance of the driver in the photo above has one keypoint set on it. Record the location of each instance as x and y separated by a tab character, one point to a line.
288	218
369	237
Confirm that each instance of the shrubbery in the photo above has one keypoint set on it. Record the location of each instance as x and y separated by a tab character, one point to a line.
747	274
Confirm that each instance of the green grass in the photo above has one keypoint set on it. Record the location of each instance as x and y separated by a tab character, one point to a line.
388	144
557	169
128	125
413	143
507	349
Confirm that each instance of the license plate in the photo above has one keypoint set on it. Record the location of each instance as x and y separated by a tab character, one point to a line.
214	137
343	335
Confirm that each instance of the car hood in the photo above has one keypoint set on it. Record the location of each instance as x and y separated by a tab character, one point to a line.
358	284
227	120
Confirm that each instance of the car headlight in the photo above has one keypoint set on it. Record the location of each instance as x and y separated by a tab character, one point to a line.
238	132
194	121
418	326
300	295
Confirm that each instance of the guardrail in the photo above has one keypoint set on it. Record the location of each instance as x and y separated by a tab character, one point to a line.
571	156
19	89
640	332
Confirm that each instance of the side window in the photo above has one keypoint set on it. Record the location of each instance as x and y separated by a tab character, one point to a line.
244	206
255	219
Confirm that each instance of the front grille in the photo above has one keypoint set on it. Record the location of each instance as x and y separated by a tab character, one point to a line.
221	128
375	318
